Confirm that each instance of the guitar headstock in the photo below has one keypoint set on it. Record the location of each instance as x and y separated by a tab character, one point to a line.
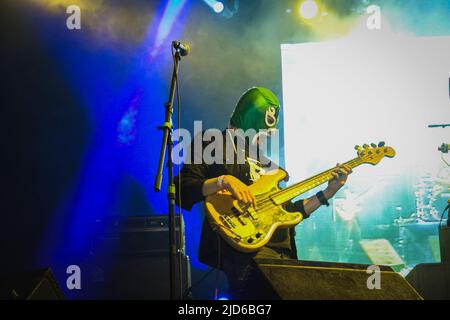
373	154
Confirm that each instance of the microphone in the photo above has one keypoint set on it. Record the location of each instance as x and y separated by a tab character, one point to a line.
183	48
444	148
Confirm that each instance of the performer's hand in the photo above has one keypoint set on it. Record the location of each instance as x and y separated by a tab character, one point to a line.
239	190
340	175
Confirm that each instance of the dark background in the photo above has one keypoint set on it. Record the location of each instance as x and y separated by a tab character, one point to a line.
79	109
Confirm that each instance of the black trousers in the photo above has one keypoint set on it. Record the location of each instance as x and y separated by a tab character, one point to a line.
239	270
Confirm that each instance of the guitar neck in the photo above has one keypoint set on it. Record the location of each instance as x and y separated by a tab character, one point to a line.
299	188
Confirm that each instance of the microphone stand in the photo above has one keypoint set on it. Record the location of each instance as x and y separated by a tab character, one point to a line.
167	143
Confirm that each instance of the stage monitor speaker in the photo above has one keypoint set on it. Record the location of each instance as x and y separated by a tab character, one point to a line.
307	280
130	259
141	278
444	244
432	280
33	285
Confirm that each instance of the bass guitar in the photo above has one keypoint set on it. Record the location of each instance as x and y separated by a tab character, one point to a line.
247	228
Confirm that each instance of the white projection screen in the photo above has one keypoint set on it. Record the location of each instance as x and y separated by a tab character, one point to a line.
368	87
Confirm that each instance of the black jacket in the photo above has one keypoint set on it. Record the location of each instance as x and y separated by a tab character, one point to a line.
192	178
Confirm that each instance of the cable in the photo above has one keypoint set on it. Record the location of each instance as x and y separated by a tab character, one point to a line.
217	269
219	262
189	290
445	161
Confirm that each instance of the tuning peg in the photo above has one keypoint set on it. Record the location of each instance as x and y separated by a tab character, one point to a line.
366	146
357	147
373	145
381	144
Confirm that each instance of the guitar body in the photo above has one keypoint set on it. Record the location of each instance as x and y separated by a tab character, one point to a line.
245	228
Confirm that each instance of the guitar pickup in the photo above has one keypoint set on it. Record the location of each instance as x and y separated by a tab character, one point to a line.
250	215
238	216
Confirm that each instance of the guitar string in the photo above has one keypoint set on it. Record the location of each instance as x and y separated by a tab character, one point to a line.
288	189
317	179
267	198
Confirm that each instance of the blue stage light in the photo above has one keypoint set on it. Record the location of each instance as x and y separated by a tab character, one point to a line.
217	6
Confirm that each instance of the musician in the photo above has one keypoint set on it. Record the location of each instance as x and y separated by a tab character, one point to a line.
258	108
